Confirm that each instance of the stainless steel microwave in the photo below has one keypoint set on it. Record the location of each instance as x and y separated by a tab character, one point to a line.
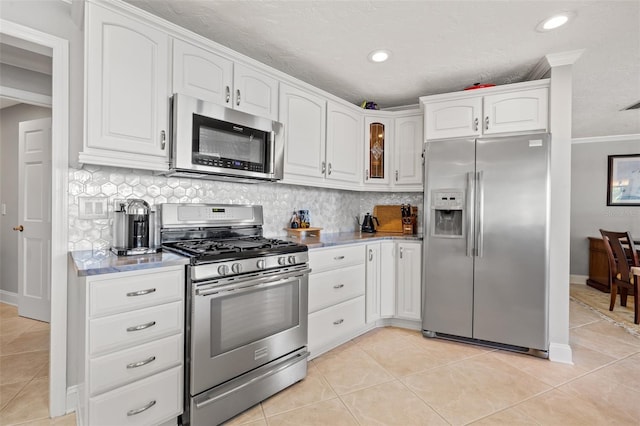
215	142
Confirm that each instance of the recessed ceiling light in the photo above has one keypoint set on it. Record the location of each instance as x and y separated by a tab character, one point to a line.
555	21
379	55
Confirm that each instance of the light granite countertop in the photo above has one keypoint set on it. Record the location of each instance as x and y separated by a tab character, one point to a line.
98	262
342	238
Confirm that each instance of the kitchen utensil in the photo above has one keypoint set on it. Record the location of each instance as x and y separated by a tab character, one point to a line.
367	223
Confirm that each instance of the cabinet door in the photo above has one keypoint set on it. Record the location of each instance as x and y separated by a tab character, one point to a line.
407	156
254	92
344	136
409	280
373	283
524	110
304	118
201	74
387	279
453	119
377	152
127	98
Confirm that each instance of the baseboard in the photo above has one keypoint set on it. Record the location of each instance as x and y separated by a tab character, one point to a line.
72	398
578	279
8	297
400	323
560	352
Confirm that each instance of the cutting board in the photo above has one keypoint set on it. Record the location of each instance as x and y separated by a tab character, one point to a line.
390	217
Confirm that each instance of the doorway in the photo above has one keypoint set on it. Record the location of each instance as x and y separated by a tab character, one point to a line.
35	41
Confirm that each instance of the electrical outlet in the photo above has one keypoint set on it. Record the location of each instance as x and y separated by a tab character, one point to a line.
93	208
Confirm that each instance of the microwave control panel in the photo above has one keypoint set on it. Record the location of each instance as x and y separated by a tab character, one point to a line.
226	163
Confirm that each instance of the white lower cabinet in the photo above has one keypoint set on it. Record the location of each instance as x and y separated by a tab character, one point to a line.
409	268
355	288
336	296
130	346
335	324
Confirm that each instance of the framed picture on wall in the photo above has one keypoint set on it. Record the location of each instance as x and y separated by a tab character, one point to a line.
623	183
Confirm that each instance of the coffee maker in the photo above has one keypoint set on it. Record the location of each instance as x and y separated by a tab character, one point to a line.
135	228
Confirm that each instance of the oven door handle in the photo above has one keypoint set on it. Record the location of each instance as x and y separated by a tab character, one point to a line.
250	284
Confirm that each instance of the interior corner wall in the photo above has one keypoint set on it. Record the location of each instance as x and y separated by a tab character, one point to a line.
9	121
589	210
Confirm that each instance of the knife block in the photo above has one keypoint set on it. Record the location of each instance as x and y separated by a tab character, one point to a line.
409	225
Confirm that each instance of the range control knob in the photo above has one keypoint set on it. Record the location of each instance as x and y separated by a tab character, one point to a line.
261	264
282	261
223	269
236	267
291	260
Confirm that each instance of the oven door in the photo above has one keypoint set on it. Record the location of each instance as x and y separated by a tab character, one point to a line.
240	324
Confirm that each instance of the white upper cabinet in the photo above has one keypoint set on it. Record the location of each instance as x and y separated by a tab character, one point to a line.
516	111
377	150
202	74
511	108
127	91
344	144
303	115
452	119
407	151
322	140
254	92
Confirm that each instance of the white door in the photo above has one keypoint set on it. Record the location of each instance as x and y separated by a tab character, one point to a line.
34	213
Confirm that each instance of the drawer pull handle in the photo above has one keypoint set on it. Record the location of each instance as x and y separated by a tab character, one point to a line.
141	326
141	363
340	321
338	286
141	292
141	409
338	258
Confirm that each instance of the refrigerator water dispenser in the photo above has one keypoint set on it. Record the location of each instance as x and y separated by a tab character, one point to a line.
447	206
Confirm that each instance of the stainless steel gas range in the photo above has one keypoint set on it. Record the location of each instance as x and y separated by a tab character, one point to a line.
246	308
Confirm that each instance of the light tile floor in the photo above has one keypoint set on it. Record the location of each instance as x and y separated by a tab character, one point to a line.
392	376
24	371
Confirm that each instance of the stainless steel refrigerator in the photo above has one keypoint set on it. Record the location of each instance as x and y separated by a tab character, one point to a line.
486	237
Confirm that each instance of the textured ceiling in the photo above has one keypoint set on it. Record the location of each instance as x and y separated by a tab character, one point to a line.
437	47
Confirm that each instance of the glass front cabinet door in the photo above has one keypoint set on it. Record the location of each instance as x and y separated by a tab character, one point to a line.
378	131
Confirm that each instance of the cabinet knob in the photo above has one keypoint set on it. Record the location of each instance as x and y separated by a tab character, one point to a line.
400	252
329	168
227	94
396	175
238	97
324	167
475	124
163	139
370	255
366	174
338	322
486	123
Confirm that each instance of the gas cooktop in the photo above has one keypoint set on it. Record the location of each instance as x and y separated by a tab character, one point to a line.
205	250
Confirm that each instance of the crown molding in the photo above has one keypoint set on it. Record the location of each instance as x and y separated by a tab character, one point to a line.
564	58
612	138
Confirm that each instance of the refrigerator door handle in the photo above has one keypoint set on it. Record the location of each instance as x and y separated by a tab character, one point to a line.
469	213
480	213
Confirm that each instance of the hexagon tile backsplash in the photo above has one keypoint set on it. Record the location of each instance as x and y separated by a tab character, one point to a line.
332	210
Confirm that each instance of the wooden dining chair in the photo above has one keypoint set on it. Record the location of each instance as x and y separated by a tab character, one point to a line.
622	256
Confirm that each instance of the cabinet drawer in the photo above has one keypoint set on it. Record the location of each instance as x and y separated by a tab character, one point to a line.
124	293
335	322
331	287
132	328
338	257
162	393
113	370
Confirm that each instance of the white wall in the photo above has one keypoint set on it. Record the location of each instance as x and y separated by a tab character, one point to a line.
9	121
589	210
22	79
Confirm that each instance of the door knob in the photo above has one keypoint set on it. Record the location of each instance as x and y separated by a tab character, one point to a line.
18	228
